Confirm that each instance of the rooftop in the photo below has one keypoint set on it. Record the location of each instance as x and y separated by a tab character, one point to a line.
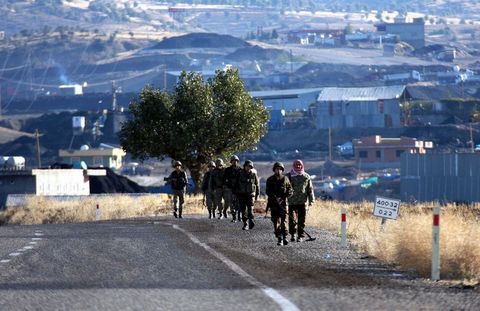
284	93
361	93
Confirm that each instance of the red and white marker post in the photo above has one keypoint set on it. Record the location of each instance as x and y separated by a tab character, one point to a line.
97	213
343	228
436	244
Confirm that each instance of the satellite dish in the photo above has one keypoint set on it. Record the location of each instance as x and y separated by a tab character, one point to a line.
80	165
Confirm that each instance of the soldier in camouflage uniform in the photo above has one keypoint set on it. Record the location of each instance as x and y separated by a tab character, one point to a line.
229	178
247	190
178	180
302	192
216	183
208	193
278	189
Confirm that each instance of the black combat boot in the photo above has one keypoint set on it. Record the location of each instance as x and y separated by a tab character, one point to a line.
285	242
251	224
280	242
175	214
209	214
245	226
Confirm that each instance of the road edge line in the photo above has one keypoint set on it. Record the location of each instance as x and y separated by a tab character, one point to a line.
284	303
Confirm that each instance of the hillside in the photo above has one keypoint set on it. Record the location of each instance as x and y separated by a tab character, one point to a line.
201	40
7	135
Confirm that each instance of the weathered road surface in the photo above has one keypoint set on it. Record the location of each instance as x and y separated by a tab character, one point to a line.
197	264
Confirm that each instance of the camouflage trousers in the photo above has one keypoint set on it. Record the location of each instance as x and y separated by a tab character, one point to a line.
219	201
279	217
210	201
178	201
246	202
231	202
298	226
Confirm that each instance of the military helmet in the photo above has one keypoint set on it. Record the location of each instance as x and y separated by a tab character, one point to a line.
248	163
278	164
177	163
234	158
211	164
219	162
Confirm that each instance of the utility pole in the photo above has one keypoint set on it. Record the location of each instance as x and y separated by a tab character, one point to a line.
291	62
114	94
37	137
472	145
330	144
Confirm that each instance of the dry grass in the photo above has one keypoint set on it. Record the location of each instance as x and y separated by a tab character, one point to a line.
407	241
41	210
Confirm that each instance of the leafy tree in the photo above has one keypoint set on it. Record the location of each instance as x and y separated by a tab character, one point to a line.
199	121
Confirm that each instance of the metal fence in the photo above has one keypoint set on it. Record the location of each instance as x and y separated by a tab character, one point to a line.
453	177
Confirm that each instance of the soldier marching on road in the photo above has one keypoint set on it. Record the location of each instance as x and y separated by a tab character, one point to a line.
178	181
247	190
229	178
216	183
302	192
278	189
208	193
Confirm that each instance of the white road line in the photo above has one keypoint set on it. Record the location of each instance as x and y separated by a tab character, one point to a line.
27	247
38	233
4	260
14	254
281	301
32	243
36	239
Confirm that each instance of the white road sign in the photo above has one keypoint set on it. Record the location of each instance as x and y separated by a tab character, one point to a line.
386	208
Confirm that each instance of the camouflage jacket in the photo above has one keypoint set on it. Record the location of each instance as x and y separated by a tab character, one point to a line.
216	178
178	180
302	189
230	176
278	190
247	184
206	182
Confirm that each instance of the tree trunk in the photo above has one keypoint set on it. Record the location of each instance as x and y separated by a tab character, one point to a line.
196	173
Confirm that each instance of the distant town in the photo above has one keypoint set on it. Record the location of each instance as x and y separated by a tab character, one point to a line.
369	97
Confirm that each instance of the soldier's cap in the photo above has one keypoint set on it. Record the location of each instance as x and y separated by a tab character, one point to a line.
211	164
234	158
177	163
219	162
278	164
248	163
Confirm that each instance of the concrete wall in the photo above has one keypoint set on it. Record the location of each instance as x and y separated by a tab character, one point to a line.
412	33
21	183
61	182
49	182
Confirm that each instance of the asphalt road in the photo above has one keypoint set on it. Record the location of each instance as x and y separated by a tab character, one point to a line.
198	264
